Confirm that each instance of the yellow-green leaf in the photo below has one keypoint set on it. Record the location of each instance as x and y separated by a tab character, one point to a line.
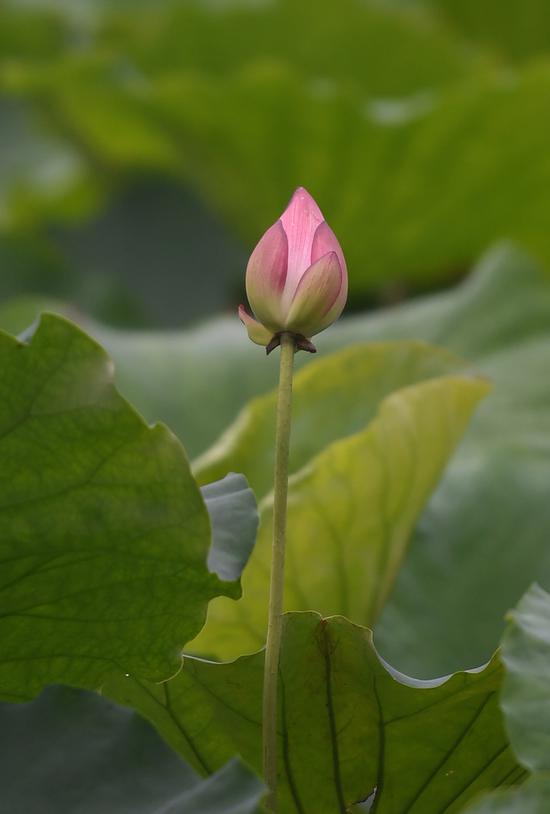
350	515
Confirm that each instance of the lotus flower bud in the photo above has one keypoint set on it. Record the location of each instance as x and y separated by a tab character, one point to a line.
296	278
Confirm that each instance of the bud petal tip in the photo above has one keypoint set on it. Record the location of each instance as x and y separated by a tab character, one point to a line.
257	332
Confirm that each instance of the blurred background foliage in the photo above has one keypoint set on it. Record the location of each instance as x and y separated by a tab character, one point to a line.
145	146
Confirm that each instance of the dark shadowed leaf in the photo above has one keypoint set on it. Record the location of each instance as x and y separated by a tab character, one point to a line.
526	693
234	520
74	752
526	705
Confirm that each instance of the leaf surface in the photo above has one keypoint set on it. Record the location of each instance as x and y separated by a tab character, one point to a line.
526	692
74	751
516	30
334	396
351	508
234	521
349	723
103	532
526	705
493	493
532	797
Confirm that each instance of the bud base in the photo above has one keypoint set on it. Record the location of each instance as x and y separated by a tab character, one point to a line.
300	343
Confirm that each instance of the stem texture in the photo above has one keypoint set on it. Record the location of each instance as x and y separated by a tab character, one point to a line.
274	629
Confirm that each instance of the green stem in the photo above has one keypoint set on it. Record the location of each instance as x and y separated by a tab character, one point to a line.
275	621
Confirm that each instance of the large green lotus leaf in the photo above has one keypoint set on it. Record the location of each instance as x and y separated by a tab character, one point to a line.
183	368
485	531
526	692
349	724
73	752
526	705
350	515
103	532
334	396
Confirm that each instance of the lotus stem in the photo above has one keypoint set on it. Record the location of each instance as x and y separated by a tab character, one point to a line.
275	619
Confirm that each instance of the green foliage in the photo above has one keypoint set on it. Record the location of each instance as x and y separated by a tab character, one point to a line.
356	379
402	121
103	532
108	593
533	797
526	693
526	705
358	499
422	128
517	29
73	751
221	41
348	723
175	376
485	532
493	493
379	166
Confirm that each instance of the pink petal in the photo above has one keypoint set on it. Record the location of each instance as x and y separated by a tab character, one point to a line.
300	221
266	274
256	331
338	305
318	300
325	241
